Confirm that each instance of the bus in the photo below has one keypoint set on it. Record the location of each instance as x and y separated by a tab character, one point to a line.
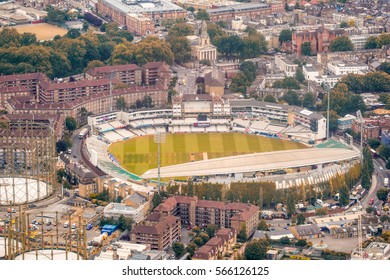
83	132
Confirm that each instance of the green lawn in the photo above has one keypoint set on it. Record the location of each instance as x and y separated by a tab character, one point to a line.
140	154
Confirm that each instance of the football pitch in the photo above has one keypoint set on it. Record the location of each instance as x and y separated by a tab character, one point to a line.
140	154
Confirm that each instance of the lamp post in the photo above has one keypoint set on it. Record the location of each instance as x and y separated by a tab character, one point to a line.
159	138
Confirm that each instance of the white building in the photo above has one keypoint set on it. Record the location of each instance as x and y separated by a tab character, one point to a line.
133	206
329	81
286	65
340	67
310	72
345	122
359	41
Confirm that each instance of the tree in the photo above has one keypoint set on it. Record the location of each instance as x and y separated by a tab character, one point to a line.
56	15
73	34
123	54
288	83
229	45
299	76
370	43
256	250
248	68
211	229
300	219
366	180
322	211
61	146
285	35
309	101
383	40
344	195
153	49
147	101
70	123
374	143
180	30
178	248
285	240
202	15
241	236
370	209
343	24
157	199
190	9
27	39
66	185
60	175
333	117
262	225
301	243
204	237
181	48
93	64
270	98
385	67
382	193
191	249
306	49
121	104
253	45
341	44
198	241
124	223
85	26
292	98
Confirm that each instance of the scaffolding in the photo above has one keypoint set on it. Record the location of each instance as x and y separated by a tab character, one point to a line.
27	162
22	241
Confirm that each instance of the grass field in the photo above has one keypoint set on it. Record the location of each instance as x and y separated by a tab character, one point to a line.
140	154
43	31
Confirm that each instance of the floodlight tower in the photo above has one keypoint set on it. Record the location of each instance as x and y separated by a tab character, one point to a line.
360	118
159	138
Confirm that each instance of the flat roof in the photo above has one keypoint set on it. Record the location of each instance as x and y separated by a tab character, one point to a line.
254	162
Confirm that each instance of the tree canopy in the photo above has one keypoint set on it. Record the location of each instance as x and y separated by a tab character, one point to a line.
256	250
341	44
285	35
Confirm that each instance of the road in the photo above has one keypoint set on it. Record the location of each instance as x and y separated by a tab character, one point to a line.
380	172
186	78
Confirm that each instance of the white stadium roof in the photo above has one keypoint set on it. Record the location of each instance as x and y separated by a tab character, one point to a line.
255	162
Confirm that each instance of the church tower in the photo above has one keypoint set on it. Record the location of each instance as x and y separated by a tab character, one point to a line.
204	36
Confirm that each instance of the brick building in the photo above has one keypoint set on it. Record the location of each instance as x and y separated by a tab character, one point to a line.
223	241
193	211
319	39
156	11
128	74
251	10
158	230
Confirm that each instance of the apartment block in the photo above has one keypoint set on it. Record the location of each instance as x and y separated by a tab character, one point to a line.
195	212
158	230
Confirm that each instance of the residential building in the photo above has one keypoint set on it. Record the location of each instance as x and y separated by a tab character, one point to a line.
158	230
310	72
129	74
369	130
286	65
193	211
222	242
135	210
342	67
359	41
385	138
345	122
250	10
